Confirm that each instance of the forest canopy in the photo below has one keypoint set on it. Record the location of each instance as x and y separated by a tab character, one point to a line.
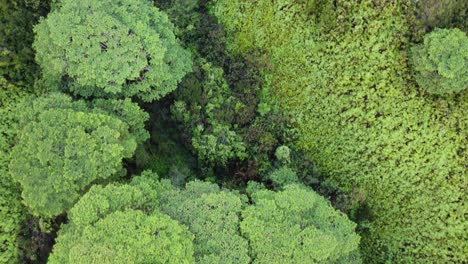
233	131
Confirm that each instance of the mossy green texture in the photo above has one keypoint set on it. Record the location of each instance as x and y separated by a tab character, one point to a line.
362	118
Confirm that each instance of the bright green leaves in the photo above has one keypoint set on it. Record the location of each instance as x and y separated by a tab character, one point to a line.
65	146
361	119
111	49
213	216
296	226
149	221
122	224
441	63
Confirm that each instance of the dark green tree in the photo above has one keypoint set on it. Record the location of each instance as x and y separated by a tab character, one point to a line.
297	225
212	215
111	48
441	63
11	210
64	146
17	18
122	224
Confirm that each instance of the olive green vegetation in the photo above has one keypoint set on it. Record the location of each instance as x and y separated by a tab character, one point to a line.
442	13
17	18
363	101
120	223
63	146
110	49
149	221
216	105
11	211
343	72
441	63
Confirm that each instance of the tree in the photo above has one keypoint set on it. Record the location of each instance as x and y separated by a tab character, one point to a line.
441	63
212	215
297	225
111	48
64	146
122	224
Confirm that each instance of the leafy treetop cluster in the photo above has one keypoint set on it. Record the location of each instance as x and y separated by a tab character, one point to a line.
441	63
149	221
111	49
64	146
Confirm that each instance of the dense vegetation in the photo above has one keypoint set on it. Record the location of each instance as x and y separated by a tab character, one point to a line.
233	131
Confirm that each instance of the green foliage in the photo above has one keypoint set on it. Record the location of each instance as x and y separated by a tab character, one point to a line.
296	226
441	63
219	146
442	13
206	110
121	224
212	215
17	18
11	211
65	146
108	48
283	176
283	154
362	120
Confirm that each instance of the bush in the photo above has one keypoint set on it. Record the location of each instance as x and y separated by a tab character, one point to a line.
109	49
362	120
64	146
297	226
441	63
283	154
121	224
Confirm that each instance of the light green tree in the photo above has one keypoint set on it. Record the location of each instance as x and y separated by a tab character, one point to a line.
111	48
212	215
297	225
122	224
64	146
441	62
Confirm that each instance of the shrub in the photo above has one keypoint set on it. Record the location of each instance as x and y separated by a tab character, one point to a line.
283	154
109	48
64	146
361	119
441	63
297	226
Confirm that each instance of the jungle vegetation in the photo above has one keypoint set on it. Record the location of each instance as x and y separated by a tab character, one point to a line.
233	131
